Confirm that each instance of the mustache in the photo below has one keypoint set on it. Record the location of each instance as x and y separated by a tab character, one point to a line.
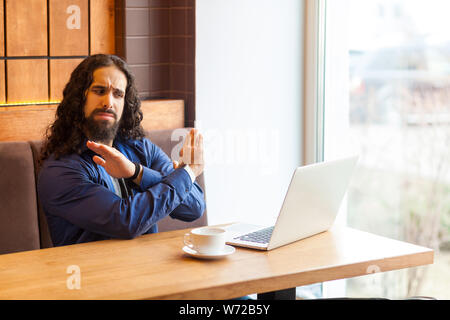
110	111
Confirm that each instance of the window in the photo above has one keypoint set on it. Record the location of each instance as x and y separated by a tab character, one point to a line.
386	90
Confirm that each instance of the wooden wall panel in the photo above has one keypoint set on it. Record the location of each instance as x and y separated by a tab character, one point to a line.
68	27
2	82
60	70
162	114
30	123
27	80
26	27
25	123
24	72
102	26
2	31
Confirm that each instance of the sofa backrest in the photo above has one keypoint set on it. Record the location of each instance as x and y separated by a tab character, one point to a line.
44	234
19	229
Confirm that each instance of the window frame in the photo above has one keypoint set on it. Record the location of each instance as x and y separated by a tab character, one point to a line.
314	102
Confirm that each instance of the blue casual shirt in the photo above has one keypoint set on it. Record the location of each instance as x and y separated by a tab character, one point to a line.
80	204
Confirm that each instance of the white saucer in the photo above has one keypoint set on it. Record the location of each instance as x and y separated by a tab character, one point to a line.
226	252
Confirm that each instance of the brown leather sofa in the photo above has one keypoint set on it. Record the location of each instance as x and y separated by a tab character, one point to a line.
23	224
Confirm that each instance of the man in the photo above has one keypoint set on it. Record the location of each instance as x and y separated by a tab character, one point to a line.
99	177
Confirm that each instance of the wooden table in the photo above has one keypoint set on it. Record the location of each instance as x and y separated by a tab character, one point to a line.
154	267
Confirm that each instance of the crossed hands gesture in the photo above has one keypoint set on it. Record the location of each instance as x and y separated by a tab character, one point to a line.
118	166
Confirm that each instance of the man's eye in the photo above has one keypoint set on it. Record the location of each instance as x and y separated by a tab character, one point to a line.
119	94
99	91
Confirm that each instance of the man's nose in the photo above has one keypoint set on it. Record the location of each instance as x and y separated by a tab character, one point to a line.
108	100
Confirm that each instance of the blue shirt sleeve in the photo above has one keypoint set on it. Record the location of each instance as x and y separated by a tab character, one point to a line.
193	206
66	189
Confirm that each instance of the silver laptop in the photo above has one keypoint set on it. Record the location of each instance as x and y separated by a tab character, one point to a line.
310	206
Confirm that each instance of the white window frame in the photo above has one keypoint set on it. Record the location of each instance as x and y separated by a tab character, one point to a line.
314	102
314	81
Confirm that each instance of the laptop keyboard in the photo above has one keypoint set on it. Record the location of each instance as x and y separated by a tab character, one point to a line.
260	236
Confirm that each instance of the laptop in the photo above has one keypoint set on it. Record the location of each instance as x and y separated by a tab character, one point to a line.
310	207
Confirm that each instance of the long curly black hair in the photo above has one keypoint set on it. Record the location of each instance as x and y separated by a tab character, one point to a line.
65	135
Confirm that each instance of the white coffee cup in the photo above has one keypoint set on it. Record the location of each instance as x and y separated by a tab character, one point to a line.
206	240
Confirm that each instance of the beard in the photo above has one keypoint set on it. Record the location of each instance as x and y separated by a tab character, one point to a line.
101	130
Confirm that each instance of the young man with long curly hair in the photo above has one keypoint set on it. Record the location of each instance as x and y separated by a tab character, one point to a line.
100	178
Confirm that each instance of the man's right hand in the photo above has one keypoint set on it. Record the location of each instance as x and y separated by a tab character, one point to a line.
114	162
